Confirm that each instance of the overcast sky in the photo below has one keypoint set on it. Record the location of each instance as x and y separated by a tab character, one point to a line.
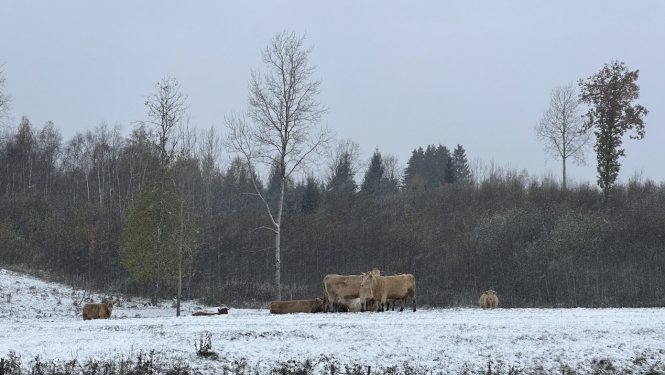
396	75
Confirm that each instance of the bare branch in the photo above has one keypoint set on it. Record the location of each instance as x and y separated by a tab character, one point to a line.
560	128
285	119
5	99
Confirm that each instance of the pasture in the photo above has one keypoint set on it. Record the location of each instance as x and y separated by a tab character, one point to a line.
39	318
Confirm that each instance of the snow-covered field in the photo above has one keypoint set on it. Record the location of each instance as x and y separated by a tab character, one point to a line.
39	318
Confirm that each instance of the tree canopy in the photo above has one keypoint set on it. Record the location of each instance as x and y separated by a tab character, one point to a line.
610	94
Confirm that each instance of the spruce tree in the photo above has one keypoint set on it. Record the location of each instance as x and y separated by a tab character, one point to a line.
445	169
343	178
415	167
310	201
461	165
372	183
432	171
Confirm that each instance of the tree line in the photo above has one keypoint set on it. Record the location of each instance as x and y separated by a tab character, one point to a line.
67	208
158	213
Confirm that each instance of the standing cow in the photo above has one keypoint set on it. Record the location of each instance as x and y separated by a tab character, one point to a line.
489	300
98	310
386	288
338	288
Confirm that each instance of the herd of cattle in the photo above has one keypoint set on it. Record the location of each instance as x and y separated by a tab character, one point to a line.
369	291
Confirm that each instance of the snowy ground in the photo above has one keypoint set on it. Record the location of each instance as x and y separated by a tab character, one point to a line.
39	318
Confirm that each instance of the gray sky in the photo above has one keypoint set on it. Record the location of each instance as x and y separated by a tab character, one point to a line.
396	75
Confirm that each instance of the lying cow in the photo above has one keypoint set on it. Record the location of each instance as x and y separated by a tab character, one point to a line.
297	306
220	311
98	310
383	289
341	288
351	305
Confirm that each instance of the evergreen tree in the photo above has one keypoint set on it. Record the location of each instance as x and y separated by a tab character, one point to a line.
167	109
415	166
461	165
343	178
310	200
145	253
444	166
372	182
432	167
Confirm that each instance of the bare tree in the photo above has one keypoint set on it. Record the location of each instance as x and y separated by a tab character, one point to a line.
5	99
185	168
285	116
560	129
209	152
167	108
393	168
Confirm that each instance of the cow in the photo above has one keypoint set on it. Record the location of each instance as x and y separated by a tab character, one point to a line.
386	288
366	297
401	287
347	305
297	306
220	311
341	287
489	300
98	310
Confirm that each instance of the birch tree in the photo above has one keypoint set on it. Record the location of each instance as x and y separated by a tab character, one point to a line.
282	126
5	99
560	129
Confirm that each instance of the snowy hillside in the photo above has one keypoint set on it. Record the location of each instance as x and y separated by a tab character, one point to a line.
39	318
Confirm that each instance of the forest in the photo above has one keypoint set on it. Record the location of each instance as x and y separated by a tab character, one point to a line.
266	207
65	207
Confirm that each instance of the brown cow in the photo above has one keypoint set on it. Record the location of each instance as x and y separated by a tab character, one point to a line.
98	310
297	306
489	300
341	288
386	288
220	311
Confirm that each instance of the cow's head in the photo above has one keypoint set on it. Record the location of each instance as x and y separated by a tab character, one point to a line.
109	304
367	279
